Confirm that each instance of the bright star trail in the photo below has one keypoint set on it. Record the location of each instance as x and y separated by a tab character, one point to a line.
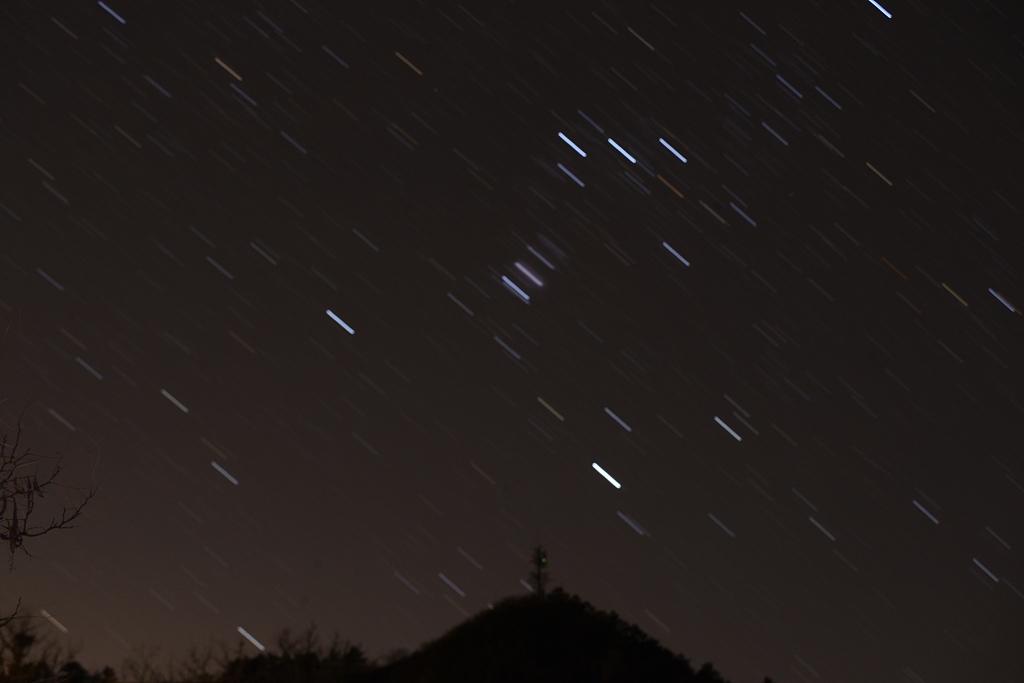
346	306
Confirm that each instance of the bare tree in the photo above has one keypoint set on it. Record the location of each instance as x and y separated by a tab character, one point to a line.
22	489
140	665
33	500
196	666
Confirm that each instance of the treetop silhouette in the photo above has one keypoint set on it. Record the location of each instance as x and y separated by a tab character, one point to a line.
539	575
545	637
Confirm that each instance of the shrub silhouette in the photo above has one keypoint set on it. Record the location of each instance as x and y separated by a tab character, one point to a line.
301	660
546	637
27	656
555	638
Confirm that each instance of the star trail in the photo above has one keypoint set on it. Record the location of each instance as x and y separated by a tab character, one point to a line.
345	306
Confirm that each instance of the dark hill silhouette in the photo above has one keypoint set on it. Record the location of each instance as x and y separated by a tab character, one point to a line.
540	638
555	638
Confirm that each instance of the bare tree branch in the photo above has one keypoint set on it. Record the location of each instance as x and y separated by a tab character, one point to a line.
30	502
23	486
4	621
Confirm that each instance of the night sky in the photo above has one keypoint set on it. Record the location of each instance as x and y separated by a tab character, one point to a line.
348	305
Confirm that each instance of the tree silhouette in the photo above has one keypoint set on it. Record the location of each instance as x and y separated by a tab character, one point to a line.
31	655
539	575
21	489
24	488
558	639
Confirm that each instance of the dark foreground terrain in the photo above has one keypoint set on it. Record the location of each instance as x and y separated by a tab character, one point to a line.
555	638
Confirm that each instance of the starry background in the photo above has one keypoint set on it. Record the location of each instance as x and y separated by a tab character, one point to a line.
798	352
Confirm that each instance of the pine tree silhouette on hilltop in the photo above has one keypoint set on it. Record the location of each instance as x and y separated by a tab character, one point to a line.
544	637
